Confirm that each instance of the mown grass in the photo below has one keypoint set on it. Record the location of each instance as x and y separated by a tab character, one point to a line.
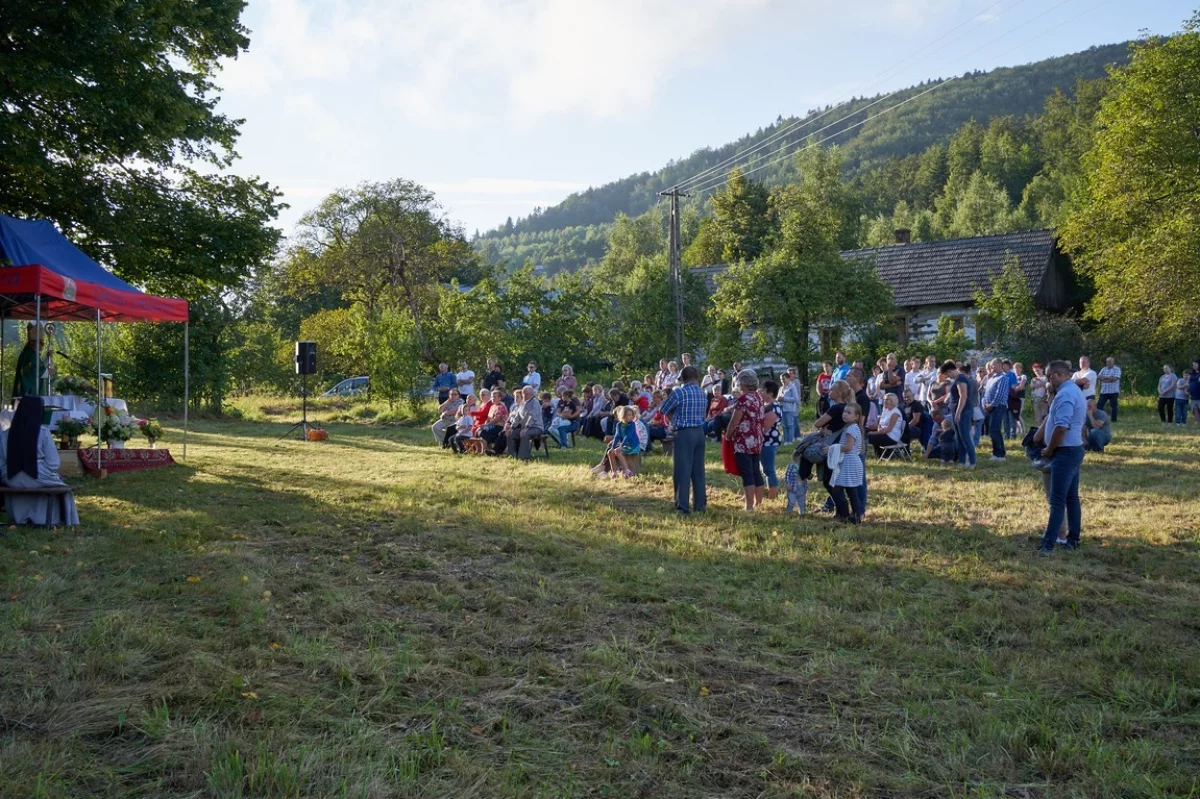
372	617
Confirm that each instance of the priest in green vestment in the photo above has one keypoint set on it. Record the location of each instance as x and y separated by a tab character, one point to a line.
25	380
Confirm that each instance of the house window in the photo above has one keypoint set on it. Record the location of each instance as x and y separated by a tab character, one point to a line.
901	327
831	340
958	321
986	333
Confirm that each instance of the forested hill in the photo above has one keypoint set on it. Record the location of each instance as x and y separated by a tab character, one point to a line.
575	231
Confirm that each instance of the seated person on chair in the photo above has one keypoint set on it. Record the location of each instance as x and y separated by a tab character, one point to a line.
566	419
524	423
891	425
495	415
28	459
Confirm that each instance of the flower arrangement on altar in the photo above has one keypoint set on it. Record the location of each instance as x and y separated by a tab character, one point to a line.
115	426
151	429
78	386
69	431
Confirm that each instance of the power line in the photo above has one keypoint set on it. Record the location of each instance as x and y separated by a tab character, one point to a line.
698	177
720	181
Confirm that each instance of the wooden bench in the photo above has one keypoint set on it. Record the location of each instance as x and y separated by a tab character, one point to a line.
62	492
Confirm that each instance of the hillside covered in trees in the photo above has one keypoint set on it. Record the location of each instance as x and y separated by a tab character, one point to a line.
892	157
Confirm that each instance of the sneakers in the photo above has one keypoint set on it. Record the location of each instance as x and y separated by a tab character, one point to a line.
997	459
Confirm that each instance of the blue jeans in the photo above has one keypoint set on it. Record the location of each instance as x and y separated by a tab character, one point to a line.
996	429
1064	496
689	469
790	426
966	439
1181	408
564	433
1097	440
796	498
768	465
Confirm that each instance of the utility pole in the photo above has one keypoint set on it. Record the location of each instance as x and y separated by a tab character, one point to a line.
676	269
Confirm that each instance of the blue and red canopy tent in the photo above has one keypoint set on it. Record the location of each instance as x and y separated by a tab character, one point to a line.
44	277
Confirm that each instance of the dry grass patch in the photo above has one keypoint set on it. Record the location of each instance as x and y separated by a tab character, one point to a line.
372	617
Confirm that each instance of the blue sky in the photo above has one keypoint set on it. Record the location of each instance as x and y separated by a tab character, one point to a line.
502	105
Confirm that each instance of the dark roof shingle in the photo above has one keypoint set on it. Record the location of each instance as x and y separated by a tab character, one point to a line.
946	272
937	272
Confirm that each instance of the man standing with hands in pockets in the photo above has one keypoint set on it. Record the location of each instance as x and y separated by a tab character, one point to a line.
1064	450
686	409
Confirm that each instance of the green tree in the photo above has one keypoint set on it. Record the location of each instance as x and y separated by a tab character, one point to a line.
1137	232
109	127
1018	327
983	208
1008	154
630	240
741	218
643	317
804	282
378	243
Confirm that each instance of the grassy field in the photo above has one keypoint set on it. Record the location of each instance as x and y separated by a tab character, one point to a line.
372	617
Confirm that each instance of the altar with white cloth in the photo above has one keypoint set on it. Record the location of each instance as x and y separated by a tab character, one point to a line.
71	406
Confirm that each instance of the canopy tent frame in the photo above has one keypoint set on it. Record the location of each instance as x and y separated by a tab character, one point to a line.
38	320
44	277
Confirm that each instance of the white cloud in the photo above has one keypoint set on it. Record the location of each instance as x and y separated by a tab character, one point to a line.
507	187
453	64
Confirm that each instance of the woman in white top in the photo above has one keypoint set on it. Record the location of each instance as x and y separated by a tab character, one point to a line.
891	425
671	378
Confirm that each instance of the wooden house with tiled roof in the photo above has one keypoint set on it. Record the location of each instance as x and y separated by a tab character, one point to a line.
932	279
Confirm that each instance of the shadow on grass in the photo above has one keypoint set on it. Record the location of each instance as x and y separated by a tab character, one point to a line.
561	621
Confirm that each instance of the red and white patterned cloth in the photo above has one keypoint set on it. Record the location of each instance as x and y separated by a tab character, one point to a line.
124	460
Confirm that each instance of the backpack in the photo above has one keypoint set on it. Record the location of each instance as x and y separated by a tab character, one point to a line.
809	447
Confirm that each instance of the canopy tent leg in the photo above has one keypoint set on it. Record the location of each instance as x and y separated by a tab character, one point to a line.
2	343
99	398
37	332
186	384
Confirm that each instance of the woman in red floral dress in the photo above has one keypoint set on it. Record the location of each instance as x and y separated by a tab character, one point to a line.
745	432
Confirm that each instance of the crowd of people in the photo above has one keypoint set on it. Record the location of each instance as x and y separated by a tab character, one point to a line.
942	412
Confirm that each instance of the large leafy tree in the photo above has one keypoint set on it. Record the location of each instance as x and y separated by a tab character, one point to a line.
630	240
803	283
378	243
108	128
1137	231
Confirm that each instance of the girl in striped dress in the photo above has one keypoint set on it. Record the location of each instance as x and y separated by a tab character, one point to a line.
851	471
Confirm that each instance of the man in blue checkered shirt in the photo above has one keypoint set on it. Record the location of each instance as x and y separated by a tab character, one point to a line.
686	408
995	405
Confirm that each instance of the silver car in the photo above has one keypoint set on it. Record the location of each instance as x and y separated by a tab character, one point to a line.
350	387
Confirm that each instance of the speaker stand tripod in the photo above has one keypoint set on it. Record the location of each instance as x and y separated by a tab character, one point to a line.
303	426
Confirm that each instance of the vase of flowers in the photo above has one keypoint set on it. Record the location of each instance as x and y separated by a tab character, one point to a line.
152	430
116	428
69	431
